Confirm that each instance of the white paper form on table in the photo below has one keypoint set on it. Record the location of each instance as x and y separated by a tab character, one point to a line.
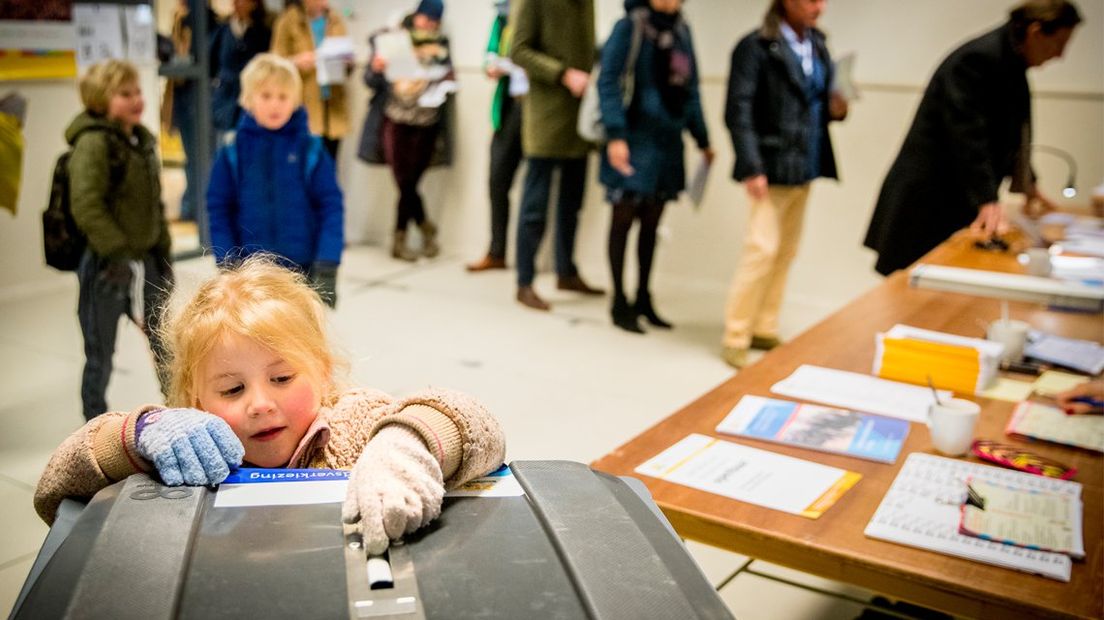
750	475
858	392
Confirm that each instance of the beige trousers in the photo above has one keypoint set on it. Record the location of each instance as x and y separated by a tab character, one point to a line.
773	232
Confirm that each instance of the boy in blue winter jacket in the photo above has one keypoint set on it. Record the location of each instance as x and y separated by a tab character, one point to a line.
273	187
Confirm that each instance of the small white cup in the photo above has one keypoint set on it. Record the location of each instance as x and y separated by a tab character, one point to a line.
1012	334
952	425
1038	262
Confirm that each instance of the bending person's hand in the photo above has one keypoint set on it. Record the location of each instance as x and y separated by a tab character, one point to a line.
618	153
188	446
989	221
1085	398
395	487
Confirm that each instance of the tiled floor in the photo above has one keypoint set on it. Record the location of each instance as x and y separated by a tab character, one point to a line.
566	385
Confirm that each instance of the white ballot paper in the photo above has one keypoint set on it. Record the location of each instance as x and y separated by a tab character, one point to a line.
858	392
498	483
331	58
843	82
695	191
750	475
396	49
436	93
281	487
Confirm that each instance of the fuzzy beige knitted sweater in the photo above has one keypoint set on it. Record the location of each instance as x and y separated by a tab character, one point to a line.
466	440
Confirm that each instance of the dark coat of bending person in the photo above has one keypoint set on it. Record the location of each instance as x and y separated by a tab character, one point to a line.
971	131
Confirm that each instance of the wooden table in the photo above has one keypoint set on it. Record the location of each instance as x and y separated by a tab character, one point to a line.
834	546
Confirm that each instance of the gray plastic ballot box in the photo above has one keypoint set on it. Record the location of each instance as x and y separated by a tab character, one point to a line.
575	544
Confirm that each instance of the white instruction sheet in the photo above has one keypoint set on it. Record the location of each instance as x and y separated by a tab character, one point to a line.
750	475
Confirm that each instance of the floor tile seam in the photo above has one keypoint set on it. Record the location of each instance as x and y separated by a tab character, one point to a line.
34	347
17	482
17	560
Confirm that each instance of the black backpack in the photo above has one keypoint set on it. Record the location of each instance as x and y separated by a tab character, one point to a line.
64	243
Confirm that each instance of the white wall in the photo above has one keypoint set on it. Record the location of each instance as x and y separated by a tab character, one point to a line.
898	46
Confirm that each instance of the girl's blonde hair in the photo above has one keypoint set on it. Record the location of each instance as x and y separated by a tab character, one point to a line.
268	67
103	80
259	300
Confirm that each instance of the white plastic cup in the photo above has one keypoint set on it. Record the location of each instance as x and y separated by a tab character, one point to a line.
952	425
1038	262
1012	334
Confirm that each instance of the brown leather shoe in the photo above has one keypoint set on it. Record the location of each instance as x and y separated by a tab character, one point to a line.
528	297
486	263
764	343
575	283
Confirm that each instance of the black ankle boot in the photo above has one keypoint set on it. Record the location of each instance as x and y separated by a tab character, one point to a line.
624	316
644	308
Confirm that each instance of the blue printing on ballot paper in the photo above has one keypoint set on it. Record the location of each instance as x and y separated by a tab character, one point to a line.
255	475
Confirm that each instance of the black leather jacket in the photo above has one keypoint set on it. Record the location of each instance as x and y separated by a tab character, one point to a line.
766	110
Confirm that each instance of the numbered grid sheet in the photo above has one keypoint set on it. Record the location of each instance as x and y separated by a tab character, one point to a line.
921	509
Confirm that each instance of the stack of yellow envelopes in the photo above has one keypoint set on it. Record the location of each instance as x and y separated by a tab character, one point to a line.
912	355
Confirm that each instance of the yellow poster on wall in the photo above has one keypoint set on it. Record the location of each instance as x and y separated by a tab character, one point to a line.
38	40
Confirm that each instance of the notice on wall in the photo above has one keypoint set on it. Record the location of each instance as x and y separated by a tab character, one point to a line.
99	33
106	31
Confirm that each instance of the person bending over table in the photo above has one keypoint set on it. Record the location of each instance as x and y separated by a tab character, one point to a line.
973	129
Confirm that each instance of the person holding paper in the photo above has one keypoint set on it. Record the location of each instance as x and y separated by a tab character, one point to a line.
972	129
296	34
407	115
554	43
235	42
1085	398
778	108
255	382
642	164
506	153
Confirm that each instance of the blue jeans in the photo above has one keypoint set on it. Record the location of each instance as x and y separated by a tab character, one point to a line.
533	214
100	304
184	117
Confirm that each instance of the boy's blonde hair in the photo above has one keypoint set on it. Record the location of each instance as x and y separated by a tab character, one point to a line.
103	80
259	300
269	67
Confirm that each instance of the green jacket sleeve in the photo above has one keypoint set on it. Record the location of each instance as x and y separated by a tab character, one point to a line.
89	178
525	48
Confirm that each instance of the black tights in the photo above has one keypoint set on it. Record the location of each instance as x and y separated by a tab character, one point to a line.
629	208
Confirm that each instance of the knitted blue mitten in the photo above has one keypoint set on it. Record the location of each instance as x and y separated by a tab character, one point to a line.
188	446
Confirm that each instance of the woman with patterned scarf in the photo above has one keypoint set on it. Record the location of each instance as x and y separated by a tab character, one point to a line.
412	117
642	164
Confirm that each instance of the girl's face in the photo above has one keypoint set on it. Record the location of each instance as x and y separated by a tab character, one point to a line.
272	104
268	403
126	105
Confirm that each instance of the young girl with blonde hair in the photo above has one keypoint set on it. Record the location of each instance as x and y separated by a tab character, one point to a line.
253	382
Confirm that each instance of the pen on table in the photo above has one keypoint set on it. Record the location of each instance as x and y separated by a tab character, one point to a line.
1094	403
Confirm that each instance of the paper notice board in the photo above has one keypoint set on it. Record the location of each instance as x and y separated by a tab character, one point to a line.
750	475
